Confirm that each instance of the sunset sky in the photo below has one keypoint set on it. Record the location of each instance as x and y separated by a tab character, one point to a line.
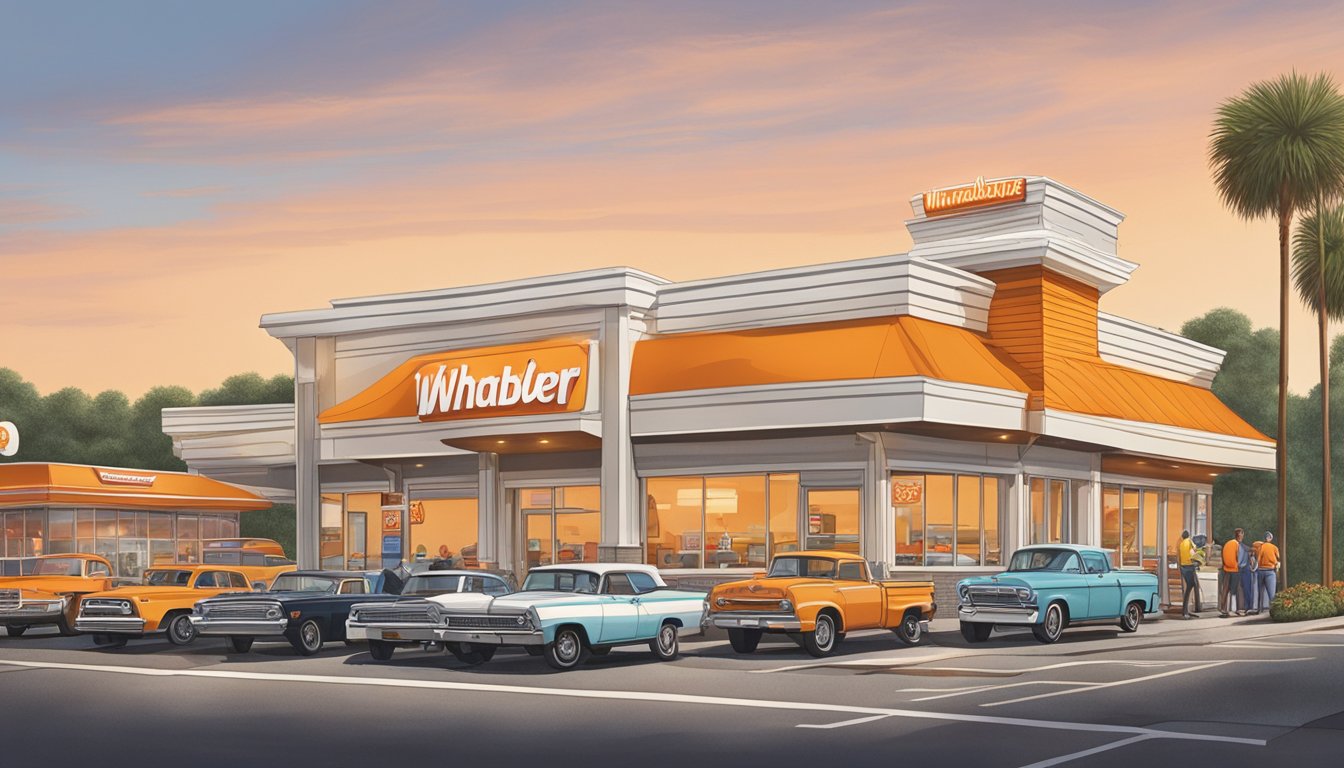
170	171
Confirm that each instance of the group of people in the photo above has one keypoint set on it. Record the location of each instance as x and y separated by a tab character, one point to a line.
1247	579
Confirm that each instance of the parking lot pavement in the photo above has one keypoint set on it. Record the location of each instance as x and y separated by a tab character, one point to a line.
1240	694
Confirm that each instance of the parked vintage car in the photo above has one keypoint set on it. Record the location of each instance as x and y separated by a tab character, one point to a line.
1051	587
816	597
45	590
567	612
162	603
414	618
261	560
307	608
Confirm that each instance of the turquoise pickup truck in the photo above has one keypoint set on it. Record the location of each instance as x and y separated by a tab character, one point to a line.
1051	587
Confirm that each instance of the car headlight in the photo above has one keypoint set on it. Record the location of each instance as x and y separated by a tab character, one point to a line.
964	592
125	606
1025	595
785	605
721	602
274	612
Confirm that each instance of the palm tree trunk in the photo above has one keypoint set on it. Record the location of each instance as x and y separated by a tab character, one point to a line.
1327	508
1281	448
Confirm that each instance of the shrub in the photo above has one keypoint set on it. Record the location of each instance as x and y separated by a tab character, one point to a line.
1302	602
1337	592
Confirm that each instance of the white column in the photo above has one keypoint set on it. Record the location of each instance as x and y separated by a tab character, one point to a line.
490	510
307	491
621	505
879	538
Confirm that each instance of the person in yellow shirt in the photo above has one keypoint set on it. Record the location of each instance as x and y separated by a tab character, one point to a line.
1229	576
1185	558
1267	577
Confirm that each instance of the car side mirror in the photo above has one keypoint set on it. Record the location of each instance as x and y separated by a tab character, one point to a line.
758	575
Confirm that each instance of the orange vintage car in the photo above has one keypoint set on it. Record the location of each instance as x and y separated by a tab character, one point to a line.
261	560
163	603
45	590
816	597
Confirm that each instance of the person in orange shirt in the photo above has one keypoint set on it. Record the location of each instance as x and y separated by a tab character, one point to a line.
1229	576
1267	577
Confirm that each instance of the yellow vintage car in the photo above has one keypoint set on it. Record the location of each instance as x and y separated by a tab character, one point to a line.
815	597
45	590
163	603
261	560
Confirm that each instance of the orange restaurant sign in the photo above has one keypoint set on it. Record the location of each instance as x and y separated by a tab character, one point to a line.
515	380
975	195
9	439
108	477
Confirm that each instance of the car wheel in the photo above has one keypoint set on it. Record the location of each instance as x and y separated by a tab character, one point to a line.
567	651
308	640
1049	630
1133	616
470	654
666	645
381	650
180	630
240	643
821	640
15	630
975	632
744	640
64	629
910	631
600	650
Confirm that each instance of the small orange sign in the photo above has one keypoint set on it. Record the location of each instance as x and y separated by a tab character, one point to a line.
974	195
391	520
904	494
418	513
517	380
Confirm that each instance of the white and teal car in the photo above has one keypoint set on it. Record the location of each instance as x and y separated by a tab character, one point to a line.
567	612
1051	587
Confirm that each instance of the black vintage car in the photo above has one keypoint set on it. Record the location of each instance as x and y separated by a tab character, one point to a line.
307	608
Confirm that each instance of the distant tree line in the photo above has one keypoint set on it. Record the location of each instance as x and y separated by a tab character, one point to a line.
107	429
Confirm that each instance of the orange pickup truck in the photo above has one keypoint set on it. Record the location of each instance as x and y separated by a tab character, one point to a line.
45	590
815	598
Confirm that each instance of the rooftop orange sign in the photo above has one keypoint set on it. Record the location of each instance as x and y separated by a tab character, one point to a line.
517	380
974	195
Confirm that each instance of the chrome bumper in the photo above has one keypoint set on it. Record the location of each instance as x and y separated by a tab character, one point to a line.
766	622
489	637
97	625
34	614
1023	616
215	627
412	633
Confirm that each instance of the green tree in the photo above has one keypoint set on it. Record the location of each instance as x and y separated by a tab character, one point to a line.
1318	274
1275	149
250	389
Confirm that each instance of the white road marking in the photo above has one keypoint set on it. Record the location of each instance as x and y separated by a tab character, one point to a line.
1088	752
999	672
844	723
1004	687
651	697
1116	684
895	661
1262	644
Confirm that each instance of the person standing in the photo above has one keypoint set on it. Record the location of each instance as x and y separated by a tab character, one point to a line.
1185	559
1247	564
1267	577
1230	573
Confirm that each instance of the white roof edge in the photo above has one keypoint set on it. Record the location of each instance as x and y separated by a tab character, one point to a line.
522	282
1213	352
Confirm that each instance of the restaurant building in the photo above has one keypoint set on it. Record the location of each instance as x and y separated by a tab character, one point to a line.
932	410
133	518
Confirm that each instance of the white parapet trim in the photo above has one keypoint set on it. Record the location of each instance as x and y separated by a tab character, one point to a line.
826	404
232	436
405	437
1152	350
1175	443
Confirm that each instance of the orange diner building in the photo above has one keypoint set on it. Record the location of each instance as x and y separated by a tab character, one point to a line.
932	410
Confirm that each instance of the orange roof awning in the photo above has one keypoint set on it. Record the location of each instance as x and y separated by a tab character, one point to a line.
873	348
68	485
1095	387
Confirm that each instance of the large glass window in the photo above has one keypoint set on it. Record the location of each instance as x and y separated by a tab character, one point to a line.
947	519
445	529
365	524
1050	511
560	525
331	544
720	521
833	519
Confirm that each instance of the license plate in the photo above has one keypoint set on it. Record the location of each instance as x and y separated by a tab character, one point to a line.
391	635
749	622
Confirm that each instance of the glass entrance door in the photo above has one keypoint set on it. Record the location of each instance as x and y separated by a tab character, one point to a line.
559	525
833	519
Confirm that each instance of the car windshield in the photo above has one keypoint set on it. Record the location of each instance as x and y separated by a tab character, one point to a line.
1044	560
427	585
810	567
561	581
18	566
291	582
58	566
172	578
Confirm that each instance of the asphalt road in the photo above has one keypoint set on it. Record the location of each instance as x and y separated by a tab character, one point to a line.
1094	699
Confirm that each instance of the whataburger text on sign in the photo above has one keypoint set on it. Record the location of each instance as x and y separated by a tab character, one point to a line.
516	380
974	195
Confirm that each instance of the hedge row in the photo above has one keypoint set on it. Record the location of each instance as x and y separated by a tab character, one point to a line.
1302	602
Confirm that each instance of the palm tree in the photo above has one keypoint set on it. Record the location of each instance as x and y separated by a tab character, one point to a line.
1318	274
1274	149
